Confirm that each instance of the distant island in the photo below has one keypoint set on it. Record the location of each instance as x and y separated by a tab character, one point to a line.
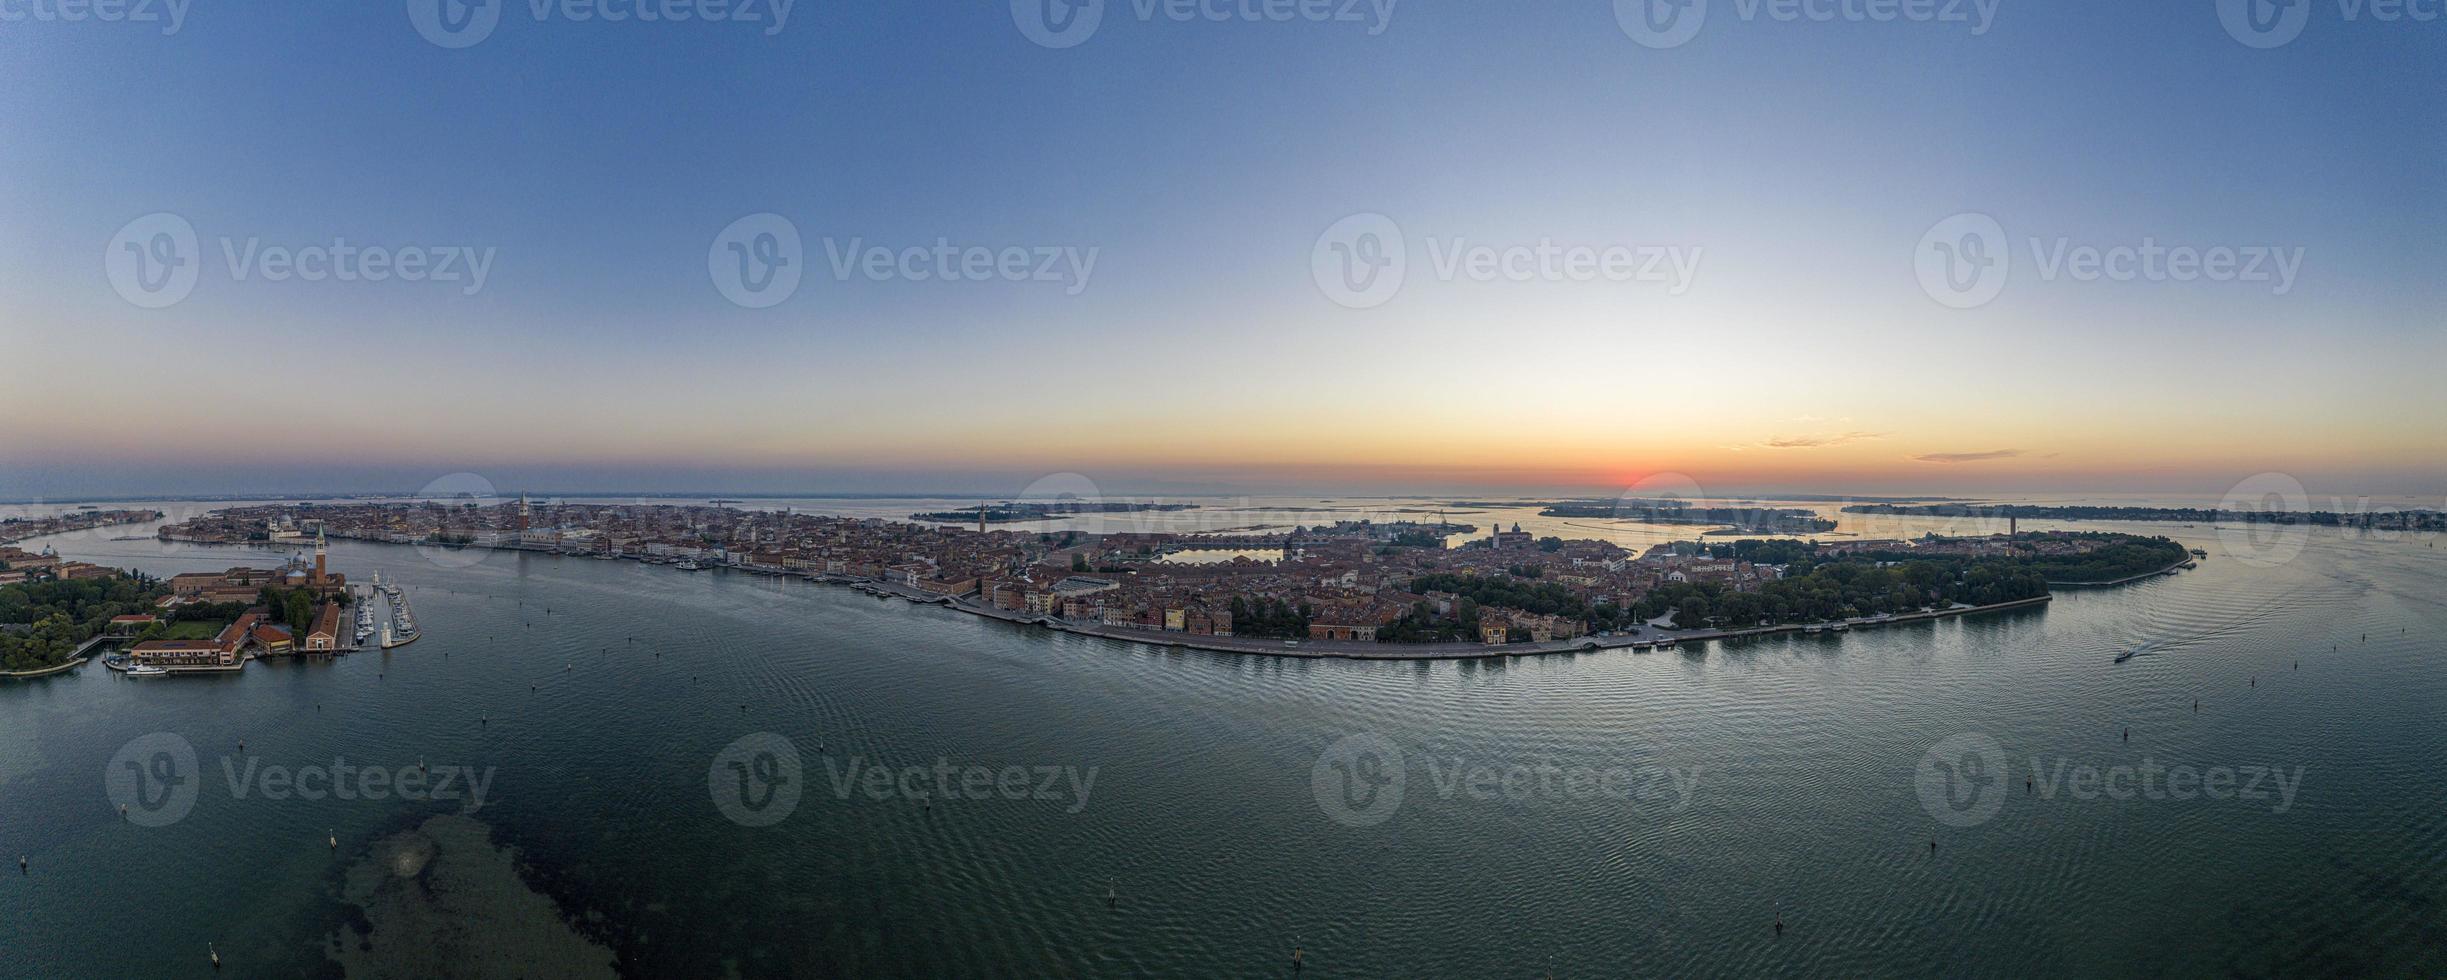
1739	520
1014	513
2395	520
1355	588
15	529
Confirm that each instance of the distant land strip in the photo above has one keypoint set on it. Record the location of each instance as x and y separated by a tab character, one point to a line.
2384	519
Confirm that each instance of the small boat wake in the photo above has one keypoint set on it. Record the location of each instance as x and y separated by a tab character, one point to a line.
2137	651
2241	625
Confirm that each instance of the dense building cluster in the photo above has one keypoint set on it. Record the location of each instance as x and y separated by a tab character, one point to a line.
18	565
1352	581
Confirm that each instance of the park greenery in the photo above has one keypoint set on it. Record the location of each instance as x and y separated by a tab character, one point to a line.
1845	588
1270	617
1513	591
42	622
1812	589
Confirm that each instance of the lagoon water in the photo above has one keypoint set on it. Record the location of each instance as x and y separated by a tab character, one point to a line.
1698	794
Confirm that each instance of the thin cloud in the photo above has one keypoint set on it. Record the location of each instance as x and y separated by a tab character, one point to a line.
1968	457
1819	442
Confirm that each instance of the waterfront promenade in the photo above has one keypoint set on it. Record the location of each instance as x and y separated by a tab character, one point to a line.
1645	638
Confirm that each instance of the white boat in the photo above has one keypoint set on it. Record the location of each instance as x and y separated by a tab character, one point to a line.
691	566
147	670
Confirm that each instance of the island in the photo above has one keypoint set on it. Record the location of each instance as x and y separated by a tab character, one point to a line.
1351	589
2417	519
54	613
1011	512
1738	520
15	529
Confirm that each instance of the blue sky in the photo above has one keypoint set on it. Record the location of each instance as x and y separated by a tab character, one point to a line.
1201	160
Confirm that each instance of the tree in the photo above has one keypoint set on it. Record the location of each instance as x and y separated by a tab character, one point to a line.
1692	613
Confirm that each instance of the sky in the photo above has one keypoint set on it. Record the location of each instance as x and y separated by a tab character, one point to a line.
1831	246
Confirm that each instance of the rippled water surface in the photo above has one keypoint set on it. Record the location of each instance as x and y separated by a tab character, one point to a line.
1769	778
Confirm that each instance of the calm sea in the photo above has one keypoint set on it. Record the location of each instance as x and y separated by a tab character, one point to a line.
1614	814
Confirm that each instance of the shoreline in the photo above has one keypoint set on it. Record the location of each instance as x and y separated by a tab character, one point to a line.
76	659
2187	559
58	668
1647	638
